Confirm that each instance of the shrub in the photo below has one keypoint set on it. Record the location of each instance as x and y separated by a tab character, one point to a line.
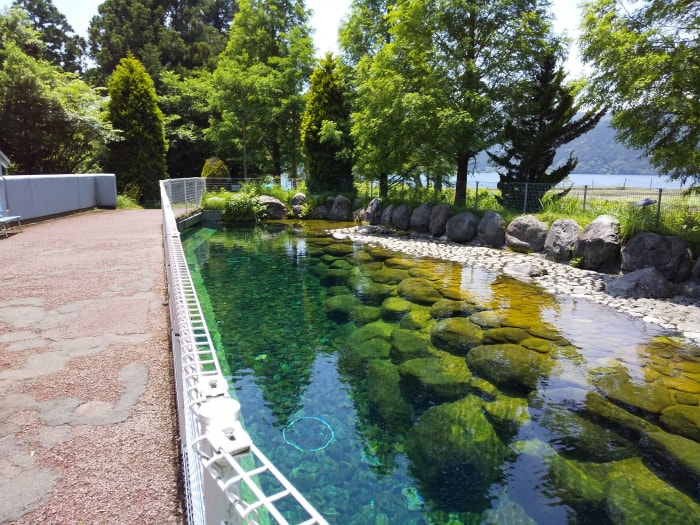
215	168
243	208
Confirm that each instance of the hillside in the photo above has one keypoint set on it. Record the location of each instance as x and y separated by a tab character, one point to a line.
598	153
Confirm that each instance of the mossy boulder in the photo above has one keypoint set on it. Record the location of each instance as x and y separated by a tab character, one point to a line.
505	334
445	378
446	308
363	314
600	407
457	335
543	346
376	330
454	449
507	414
380	254
339	307
416	320
683	420
339	250
388	275
386	404
616	384
354	357
394	308
370	292
419	291
405	345
398	262
684	453
341	264
488	318
637	495
509	366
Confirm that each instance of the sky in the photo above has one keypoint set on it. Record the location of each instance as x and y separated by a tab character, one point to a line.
326	19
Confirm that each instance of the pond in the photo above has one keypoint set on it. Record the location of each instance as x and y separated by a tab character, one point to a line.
394	389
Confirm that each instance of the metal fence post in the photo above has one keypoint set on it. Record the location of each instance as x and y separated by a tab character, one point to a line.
525	199
476	199
585	194
658	208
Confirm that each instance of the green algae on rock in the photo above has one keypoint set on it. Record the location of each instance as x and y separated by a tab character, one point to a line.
406	344
445	377
385	400
419	291
509	366
457	335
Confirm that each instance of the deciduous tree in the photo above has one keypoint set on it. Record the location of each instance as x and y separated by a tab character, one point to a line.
646	65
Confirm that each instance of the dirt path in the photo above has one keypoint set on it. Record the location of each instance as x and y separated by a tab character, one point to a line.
87	411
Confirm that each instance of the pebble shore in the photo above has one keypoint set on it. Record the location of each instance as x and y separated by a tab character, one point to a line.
681	314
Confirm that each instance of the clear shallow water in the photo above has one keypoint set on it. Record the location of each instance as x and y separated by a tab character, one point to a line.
427	392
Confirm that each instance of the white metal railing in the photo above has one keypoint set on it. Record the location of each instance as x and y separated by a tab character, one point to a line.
227	478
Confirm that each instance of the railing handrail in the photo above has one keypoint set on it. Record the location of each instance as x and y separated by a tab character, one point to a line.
215	447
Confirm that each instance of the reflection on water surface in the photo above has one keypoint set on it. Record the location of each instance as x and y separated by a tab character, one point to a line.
453	395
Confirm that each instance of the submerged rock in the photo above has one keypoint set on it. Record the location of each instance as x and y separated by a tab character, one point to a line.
445	308
384	396
457	335
509	366
454	449
446	377
394	308
407	345
418	291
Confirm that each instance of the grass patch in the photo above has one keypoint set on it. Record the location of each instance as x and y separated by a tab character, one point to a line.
127	203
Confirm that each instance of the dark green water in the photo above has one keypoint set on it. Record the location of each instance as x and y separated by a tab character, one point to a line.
397	390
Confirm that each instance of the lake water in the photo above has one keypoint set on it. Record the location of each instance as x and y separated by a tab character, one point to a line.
401	390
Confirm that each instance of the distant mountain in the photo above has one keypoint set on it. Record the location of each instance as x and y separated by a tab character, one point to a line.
598	153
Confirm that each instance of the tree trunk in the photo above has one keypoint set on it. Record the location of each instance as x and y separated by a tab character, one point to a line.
461	184
383	185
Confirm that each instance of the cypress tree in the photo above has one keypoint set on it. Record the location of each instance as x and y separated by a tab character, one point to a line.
325	131
138	158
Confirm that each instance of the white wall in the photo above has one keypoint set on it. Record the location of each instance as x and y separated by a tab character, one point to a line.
34	196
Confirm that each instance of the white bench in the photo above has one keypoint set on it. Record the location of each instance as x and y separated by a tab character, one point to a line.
6	219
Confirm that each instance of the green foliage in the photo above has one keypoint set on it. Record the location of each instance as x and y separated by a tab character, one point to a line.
185	102
180	36
325	130
126	203
216	200
139	154
62	47
243	207
215	168
645	67
259	80
51	120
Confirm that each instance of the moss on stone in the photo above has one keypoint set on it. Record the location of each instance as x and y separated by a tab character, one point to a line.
388	276
509	366
338	307
406	344
384	396
457	335
446	377
339	250
416	320
615	384
394	308
419	291
543	346
362	314
505	335
446	308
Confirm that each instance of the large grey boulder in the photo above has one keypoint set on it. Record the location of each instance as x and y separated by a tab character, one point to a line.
559	243
274	208
670	255
462	227
492	230
386	215
373	215
439	216
649	283
526	234
598	246
695	272
298	202
401	217
341	210
420	218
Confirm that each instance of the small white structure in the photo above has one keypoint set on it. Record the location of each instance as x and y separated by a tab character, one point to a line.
4	164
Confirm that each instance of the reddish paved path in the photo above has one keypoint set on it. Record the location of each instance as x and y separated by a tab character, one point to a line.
87	412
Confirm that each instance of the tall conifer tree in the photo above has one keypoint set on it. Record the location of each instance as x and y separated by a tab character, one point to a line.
139	157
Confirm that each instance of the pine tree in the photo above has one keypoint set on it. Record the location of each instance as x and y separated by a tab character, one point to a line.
540	121
139	157
325	131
